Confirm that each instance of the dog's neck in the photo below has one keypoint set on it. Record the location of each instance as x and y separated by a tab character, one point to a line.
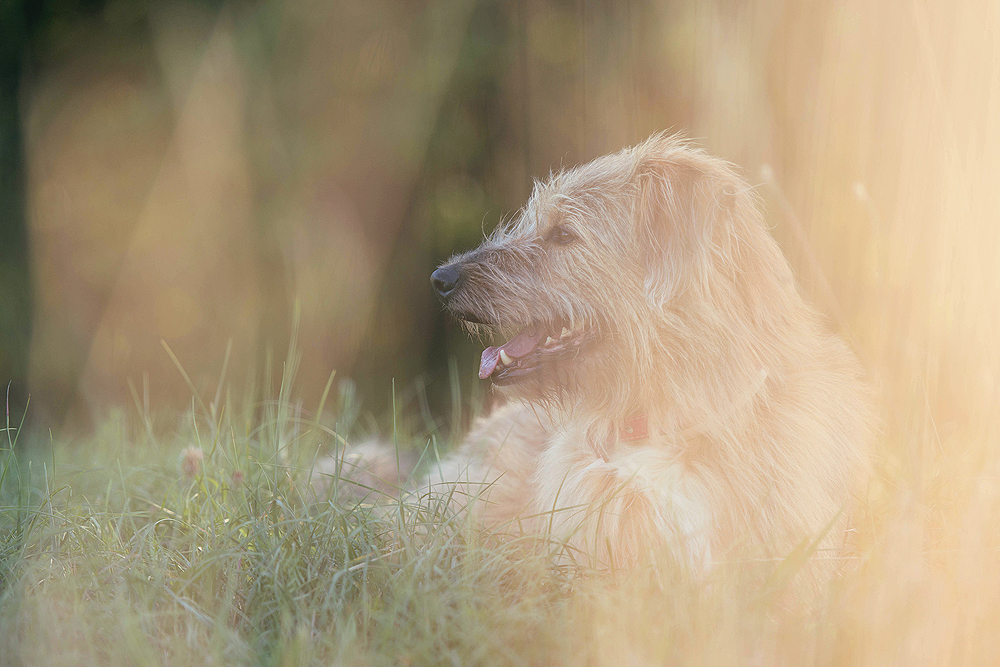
636	427
633	429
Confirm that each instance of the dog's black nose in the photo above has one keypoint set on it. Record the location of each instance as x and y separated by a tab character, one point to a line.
445	280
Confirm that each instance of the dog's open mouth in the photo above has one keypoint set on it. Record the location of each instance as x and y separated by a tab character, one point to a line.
527	352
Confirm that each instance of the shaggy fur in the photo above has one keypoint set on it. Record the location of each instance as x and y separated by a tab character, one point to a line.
678	307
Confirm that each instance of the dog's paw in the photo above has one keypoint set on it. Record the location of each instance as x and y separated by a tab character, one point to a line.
364	472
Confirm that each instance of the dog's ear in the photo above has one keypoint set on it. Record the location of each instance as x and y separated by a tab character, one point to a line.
680	202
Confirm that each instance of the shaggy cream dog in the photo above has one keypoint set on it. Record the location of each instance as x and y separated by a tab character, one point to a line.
668	391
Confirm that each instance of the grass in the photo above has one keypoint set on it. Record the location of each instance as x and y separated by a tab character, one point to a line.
200	544
127	552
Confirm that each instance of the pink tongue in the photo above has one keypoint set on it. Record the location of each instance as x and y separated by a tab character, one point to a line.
516	347
491	356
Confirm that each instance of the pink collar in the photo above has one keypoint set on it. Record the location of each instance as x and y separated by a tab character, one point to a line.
635	428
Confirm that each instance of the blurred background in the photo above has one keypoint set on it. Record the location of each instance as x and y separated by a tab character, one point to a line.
198	172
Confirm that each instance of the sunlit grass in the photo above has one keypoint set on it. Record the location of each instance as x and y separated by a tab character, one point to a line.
204	544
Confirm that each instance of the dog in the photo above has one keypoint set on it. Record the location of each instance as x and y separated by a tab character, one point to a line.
666	388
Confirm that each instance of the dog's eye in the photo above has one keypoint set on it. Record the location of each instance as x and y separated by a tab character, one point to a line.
560	235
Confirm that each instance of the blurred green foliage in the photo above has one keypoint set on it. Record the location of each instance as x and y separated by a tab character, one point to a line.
198	172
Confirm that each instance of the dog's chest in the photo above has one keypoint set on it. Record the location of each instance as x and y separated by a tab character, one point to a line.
642	481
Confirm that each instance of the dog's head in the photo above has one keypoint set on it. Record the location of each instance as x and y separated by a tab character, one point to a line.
620	276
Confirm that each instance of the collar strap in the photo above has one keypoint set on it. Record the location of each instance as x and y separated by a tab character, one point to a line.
635	428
